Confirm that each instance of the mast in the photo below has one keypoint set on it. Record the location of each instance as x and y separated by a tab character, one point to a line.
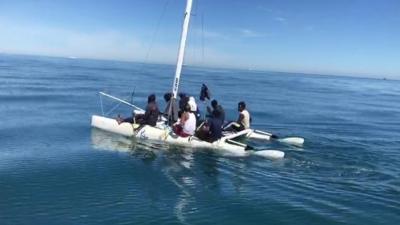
181	54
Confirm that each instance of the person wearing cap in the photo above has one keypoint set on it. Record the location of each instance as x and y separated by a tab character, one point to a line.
243	121
150	116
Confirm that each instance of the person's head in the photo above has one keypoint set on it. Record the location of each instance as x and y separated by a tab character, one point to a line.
241	106
151	98
214	103
167	97
185	99
182	95
187	108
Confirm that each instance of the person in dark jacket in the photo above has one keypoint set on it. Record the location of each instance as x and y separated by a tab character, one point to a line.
215	126
216	107
150	116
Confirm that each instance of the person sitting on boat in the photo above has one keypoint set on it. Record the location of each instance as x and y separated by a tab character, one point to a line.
215	126
187	124
174	110
183	100
243	122
193	108
216	107
150	116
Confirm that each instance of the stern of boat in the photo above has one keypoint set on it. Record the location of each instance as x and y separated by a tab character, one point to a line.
111	125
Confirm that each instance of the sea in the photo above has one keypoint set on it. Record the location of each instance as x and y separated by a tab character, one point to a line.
56	169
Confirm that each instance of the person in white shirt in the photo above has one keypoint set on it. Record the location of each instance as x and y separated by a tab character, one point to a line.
194	108
192	103
187	124
243	121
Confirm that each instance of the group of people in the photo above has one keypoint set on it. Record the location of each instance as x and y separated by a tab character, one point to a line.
186	118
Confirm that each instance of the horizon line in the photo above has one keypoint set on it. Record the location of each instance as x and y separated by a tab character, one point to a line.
207	66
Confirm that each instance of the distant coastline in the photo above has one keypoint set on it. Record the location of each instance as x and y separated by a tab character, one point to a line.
252	70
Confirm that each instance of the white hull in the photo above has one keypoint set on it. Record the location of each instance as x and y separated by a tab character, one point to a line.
264	136
260	136
163	133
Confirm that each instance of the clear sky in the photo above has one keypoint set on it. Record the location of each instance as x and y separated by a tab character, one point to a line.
343	37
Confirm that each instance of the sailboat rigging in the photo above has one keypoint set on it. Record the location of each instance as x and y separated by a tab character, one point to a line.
181	55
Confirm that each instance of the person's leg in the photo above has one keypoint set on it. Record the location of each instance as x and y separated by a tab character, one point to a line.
238	127
139	118
231	126
177	129
122	120
128	120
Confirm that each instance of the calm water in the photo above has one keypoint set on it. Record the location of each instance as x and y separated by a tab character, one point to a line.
56	169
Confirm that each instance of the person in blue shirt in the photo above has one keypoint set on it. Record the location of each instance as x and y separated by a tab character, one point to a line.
216	107
215	126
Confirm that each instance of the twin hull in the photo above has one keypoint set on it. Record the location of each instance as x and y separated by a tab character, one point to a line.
163	133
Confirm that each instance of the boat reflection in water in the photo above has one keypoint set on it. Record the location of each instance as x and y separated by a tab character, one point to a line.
190	171
103	140
176	163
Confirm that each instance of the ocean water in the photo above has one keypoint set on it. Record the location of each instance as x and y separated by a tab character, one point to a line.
56	169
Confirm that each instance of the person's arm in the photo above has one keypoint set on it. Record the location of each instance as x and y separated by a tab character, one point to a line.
184	118
209	110
147	112
240	119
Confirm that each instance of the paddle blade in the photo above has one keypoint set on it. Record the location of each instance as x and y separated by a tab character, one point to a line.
270	154
298	141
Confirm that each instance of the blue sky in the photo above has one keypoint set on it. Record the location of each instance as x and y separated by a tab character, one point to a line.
342	37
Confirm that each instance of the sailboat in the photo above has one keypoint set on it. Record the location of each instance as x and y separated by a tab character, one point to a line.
163	131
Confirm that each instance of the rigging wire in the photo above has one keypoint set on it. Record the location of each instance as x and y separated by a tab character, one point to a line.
156	30
193	34
112	109
197	44
202	38
109	111
141	69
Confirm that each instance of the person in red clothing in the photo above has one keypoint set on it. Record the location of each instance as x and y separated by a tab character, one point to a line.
187	124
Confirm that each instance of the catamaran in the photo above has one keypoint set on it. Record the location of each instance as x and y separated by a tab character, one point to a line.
163	132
